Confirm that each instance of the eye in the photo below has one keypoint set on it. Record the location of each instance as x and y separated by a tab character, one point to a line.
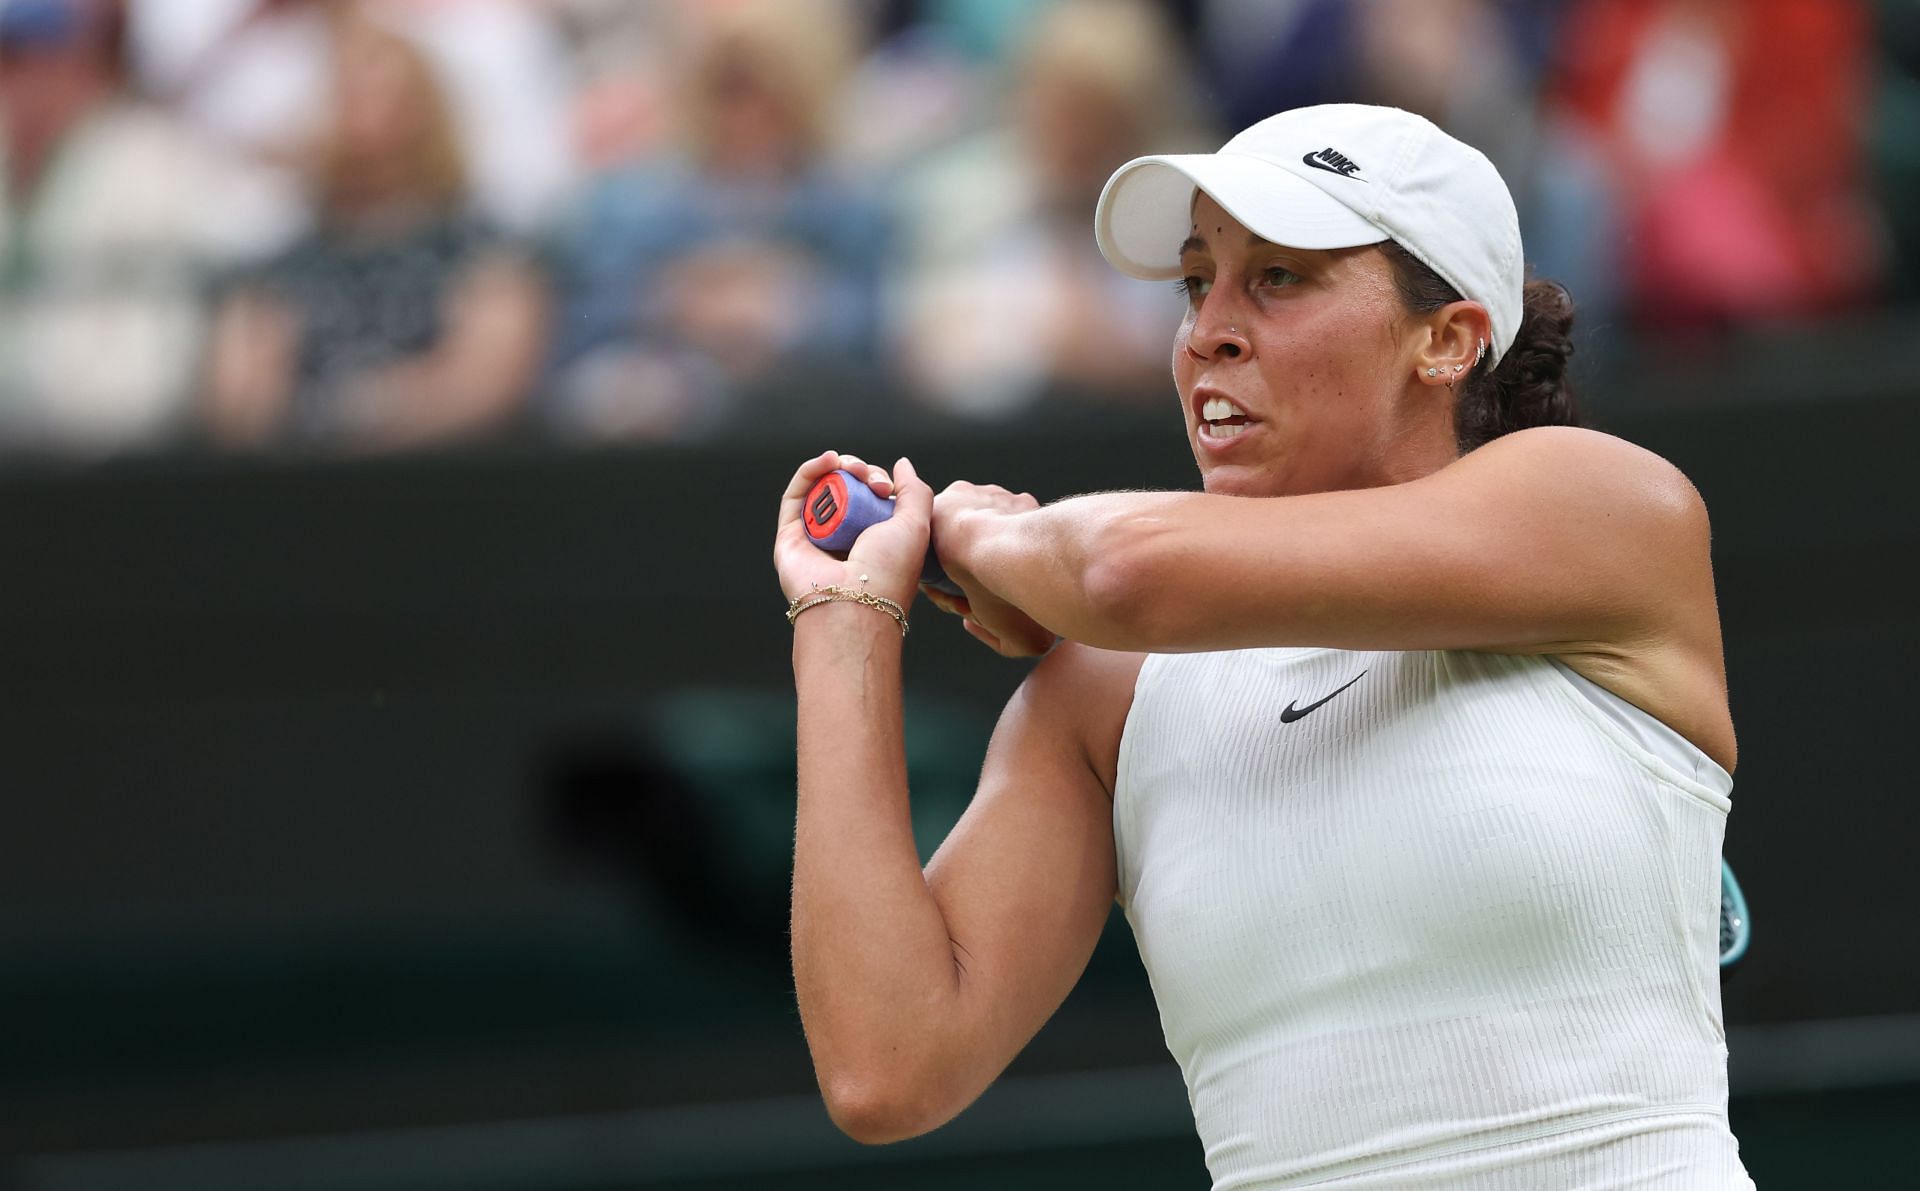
1194	287
1277	276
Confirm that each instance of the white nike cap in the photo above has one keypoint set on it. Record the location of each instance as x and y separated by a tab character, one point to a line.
1338	175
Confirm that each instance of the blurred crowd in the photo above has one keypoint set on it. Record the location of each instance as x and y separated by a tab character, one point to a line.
352	225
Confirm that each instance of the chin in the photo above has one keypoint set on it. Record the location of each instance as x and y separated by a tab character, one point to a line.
1233	479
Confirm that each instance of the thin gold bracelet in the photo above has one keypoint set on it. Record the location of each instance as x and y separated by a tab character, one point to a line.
836	594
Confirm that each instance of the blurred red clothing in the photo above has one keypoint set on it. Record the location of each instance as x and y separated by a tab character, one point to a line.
1736	128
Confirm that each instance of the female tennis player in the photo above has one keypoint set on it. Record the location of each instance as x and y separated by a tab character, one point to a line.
1404	745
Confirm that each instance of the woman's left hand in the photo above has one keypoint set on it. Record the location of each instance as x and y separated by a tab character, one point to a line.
885	559
960	513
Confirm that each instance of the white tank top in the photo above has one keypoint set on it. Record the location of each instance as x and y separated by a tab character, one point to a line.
1455	925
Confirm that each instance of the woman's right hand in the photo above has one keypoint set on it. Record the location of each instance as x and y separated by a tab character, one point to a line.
992	621
996	624
885	559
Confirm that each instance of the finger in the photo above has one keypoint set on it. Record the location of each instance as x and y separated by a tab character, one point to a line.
957	605
983	636
876	477
912	497
808	472
1025	645
1039	644
802	483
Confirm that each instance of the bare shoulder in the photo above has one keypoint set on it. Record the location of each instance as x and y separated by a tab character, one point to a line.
1084	693
1612	497
1577	462
1574	469
1641	510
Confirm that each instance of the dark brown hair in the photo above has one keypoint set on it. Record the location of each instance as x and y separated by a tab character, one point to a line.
1529	387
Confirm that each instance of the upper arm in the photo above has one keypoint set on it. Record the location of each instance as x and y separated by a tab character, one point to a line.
1548	540
1026	878
496	317
497	304
250	361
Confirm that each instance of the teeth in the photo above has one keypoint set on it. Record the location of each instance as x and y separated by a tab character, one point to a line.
1214	430
1216	408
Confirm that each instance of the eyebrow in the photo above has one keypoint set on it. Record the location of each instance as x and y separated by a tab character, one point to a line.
1196	244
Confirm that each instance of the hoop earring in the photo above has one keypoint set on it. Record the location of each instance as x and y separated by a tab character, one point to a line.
1482	355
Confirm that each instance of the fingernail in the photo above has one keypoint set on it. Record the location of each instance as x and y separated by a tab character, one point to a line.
875	474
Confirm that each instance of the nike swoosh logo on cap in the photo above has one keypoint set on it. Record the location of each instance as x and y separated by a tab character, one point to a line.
1333	163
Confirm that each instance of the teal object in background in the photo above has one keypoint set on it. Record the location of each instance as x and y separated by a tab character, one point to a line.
1736	928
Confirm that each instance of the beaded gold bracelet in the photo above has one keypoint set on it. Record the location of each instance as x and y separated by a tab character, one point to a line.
837	594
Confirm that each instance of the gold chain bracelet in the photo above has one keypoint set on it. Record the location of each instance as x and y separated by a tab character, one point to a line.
836	594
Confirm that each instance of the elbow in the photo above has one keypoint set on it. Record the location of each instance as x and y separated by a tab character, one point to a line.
879	1111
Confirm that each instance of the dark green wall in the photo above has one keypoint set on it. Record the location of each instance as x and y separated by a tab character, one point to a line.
288	844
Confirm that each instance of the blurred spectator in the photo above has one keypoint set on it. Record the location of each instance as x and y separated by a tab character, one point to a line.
400	319
109	212
696	273
1475	67
1737	130
917	91
619	106
256	74
1896	147
985	30
1265	56
1006	296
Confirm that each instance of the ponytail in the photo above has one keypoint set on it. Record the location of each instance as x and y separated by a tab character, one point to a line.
1530	386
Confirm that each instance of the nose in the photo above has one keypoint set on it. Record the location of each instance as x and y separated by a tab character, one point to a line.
1218	333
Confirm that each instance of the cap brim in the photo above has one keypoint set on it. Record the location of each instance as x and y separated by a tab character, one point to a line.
1145	211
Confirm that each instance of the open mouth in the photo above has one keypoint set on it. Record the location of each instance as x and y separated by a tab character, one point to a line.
1221	419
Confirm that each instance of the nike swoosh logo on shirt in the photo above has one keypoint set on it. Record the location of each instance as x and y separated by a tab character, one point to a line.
1293	713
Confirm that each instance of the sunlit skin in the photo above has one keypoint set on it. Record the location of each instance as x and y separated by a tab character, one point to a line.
1320	352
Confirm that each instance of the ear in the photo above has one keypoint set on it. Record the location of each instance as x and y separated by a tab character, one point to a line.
1455	334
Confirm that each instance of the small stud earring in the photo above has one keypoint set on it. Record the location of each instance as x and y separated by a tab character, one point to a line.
1459	367
1433	372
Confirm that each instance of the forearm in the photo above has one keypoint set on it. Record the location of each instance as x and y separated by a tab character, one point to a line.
473	379
1530	544
1074	566
872	960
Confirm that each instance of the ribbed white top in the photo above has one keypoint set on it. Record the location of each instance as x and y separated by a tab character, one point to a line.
1455	927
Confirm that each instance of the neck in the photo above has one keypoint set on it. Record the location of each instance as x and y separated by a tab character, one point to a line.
1425	442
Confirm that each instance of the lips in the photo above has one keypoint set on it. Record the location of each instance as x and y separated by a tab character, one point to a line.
1219	418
